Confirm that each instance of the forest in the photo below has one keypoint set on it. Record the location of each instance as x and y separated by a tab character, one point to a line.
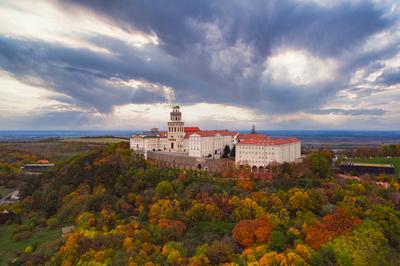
127	211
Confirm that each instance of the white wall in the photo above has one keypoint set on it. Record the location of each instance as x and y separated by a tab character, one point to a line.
262	155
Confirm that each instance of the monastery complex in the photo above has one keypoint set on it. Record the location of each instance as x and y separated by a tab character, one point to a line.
255	150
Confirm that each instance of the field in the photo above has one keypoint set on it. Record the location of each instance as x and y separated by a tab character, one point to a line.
52	150
380	160
104	140
10	247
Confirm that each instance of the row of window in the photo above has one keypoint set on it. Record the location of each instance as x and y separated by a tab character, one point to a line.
175	129
256	153
256	148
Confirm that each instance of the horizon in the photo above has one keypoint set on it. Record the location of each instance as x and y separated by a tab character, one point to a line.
281	65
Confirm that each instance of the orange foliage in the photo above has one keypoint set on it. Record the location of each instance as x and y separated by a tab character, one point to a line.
250	232
331	226
178	226
245	185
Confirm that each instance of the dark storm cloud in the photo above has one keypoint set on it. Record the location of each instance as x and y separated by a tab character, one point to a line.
328	31
90	79
210	51
390	76
335	31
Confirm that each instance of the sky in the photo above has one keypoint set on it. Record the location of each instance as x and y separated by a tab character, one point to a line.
277	64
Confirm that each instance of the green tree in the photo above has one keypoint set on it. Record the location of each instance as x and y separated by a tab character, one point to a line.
319	162
366	245
164	189
227	151
277	241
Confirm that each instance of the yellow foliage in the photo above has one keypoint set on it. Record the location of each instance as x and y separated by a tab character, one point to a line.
28	249
127	245
302	250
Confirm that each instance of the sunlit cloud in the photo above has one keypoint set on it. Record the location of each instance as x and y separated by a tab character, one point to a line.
299	68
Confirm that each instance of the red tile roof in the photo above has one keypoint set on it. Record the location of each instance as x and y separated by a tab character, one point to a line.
252	136
211	133
191	129
163	134
267	141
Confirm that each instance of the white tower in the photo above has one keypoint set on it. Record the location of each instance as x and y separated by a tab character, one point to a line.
176	130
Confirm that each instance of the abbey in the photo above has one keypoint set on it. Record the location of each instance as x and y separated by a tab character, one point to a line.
255	150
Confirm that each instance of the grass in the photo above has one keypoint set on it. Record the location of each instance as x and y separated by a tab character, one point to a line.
9	247
97	140
4	191
380	160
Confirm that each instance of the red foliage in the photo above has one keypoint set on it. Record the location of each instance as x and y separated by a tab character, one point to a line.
250	232
178	226
331	226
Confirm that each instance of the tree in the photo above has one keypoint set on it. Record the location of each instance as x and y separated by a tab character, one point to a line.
174	253
247	209
219	252
319	162
171	229
366	245
249	232
233	151
299	200
389	220
227	151
277	241
164	208
164	189
331	226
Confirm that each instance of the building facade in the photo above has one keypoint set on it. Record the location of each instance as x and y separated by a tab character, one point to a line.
176	131
210	143
257	151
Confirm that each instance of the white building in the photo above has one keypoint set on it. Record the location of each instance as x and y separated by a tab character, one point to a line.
255	150
210	143
190	140
258	151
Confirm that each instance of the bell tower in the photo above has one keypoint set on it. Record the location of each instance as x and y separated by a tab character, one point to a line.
176	130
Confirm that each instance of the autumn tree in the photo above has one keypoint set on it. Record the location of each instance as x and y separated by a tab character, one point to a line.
164	189
171	229
331	226
249	232
164	208
219	252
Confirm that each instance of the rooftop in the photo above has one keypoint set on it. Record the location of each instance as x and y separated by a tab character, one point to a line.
267	141
368	164
211	133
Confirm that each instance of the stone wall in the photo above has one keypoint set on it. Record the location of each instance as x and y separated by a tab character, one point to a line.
183	161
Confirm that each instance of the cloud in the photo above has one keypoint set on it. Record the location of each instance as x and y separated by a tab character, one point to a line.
356	112
390	76
279	58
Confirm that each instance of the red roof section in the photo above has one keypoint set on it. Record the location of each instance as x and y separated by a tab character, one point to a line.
267	141
242	137
191	129
163	134
211	133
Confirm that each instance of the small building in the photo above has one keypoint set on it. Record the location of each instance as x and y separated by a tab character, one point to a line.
366	168
37	166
